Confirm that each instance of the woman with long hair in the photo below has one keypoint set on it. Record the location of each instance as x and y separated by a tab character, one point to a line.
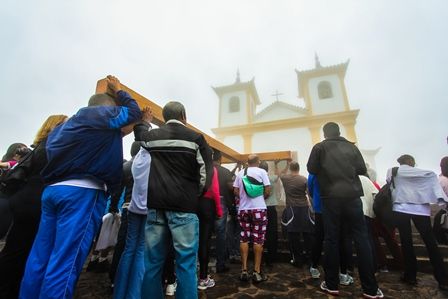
25	206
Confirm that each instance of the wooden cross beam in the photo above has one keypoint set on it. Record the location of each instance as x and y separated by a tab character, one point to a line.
229	155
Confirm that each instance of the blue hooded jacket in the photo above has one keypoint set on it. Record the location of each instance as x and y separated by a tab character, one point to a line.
314	190
89	145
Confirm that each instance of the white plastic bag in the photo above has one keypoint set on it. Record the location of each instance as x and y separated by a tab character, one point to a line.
109	231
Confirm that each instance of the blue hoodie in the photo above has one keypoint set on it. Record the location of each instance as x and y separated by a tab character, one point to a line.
314	190
89	145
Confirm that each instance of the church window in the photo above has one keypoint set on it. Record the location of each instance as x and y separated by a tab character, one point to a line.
234	104
324	90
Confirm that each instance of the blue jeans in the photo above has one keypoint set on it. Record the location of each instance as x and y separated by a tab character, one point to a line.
183	229
71	217
220	230
129	277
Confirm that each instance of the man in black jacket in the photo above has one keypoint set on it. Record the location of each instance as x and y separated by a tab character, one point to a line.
337	163
181	170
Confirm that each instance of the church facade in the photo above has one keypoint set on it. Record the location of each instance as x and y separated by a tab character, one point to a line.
282	126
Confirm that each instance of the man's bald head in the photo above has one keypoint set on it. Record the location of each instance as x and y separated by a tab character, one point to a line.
253	160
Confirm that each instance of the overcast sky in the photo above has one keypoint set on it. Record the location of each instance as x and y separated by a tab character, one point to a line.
53	52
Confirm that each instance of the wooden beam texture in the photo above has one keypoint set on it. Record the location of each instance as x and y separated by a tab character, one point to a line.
230	155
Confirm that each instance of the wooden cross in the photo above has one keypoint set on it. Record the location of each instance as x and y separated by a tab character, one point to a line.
229	155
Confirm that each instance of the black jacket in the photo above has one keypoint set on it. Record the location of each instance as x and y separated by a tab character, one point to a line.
181	166
337	163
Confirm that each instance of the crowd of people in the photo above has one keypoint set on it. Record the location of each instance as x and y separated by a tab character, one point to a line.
174	194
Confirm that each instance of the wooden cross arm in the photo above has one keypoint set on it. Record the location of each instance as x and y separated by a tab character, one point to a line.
266	156
227	152
229	155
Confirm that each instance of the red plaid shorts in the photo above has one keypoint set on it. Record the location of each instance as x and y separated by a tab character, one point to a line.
253	223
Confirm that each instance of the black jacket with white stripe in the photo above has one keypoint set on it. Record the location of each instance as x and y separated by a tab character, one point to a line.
181	166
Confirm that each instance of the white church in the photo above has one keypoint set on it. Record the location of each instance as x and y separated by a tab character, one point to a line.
282	126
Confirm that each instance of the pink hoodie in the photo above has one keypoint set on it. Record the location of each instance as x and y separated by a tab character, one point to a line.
213	192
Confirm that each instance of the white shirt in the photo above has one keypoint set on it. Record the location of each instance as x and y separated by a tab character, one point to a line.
248	203
414	190
140	172
369	190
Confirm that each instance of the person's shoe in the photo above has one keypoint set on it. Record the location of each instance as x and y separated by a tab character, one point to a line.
171	289
222	269
314	272
345	279
409	281
378	295
259	277
244	276
323	287
206	283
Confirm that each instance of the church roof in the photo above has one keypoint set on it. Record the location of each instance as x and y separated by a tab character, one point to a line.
239	86
319	70
281	104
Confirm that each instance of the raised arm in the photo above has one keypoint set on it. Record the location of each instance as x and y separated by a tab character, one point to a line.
128	111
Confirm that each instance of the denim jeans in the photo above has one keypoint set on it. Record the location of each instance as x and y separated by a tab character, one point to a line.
336	211
220	230
162	228
119	247
129	276
71	217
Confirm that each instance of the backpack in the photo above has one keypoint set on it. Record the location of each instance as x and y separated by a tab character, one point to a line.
383	202
440	227
252	187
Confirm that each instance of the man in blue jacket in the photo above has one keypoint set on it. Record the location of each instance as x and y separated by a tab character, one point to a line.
85	157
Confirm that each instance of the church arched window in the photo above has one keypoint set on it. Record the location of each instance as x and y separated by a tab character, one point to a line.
234	104
324	90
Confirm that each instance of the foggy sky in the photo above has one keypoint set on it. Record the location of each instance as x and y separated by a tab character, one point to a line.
53	52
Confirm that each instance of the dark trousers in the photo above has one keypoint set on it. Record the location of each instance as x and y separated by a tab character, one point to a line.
369	225
423	225
271	235
316	251
220	231
119	247
390	238
5	215
206	215
300	247
345	248
233	236
334	212
26	215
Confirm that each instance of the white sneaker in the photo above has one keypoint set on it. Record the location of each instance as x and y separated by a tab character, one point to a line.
345	279
206	283
171	289
378	295
314	272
